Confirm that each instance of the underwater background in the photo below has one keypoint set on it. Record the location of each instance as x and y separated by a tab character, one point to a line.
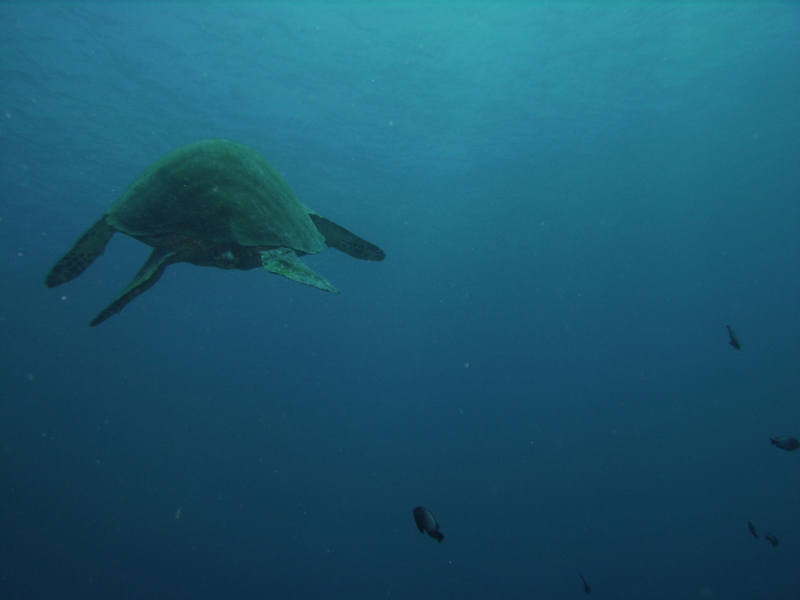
575	199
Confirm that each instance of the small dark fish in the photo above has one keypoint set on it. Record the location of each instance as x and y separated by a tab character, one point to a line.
586	587
427	522
785	442
751	529
734	340
770	537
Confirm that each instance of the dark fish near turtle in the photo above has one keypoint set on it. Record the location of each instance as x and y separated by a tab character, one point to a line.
734	341
785	442
752	529
426	522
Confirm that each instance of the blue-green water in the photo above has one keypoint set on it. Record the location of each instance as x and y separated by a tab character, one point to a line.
575	200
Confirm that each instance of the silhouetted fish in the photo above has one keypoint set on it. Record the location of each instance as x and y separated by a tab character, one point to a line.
751	529
734	340
785	442
586	587
770	537
427	522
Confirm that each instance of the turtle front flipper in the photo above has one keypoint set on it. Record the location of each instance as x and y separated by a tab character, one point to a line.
76	261
345	241
285	262
146	278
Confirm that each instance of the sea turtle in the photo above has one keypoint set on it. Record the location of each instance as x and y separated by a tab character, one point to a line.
212	203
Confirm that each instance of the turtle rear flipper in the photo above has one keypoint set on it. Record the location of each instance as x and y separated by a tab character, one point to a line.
76	261
345	241
285	262
146	278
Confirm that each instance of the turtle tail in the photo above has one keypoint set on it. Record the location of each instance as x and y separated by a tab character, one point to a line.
76	261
